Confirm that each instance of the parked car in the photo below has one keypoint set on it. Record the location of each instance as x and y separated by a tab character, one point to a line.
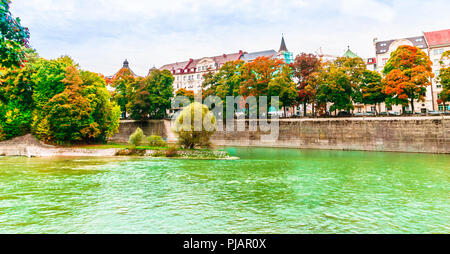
239	114
434	113
359	114
276	113
394	113
370	113
344	113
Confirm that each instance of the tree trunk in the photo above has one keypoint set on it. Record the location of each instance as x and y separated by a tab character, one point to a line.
313	110
412	106
304	109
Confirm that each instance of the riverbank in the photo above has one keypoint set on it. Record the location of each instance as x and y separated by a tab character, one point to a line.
29	146
418	134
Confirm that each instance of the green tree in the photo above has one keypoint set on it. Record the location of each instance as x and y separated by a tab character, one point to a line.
444	79
124	84
16	102
137	138
13	38
372	88
283	87
152	97
195	125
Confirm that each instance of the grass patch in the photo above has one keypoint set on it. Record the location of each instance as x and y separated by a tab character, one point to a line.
120	146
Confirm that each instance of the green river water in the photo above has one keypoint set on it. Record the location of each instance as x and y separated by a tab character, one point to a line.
267	191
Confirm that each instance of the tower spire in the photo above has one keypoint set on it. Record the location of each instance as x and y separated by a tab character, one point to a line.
283	45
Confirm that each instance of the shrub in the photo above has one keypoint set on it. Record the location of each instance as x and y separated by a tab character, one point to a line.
189	137
172	151
2	134
156	141
137	137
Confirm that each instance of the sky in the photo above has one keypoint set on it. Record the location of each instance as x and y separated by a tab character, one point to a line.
101	34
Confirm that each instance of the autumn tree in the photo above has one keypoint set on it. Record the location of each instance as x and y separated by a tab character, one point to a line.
186	93
256	75
13	38
151	97
407	74
304	66
124	84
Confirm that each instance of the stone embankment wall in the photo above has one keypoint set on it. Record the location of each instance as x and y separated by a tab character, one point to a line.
38	151
394	134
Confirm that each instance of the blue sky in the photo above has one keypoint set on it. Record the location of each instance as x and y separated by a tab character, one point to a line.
100	34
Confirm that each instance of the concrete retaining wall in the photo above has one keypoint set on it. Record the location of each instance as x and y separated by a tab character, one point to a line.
396	134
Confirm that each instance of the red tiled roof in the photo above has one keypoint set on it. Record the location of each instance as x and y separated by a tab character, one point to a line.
219	60
437	38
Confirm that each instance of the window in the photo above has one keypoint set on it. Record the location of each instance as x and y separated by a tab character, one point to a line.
382	51
382	44
419	39
436	62
438	51
441	107
199	76
438	85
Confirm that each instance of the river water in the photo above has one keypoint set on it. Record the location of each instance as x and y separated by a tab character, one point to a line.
267	191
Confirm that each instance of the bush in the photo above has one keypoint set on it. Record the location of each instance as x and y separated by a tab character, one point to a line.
188	136
156	141
172	151
137	137
2	134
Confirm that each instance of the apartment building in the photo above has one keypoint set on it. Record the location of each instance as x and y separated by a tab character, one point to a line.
189	74
438	42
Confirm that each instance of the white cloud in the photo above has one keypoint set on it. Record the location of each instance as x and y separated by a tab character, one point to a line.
368	9
100	34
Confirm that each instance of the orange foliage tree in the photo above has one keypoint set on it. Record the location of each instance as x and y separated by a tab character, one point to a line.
257	74
408	73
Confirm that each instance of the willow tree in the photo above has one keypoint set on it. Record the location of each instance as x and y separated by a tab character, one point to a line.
407	74
194	126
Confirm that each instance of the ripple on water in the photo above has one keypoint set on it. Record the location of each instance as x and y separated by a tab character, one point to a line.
267	191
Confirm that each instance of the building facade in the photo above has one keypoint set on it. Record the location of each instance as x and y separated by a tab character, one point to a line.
438	42
433	44
189	74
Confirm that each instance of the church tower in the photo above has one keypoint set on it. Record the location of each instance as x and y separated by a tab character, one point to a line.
283	52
